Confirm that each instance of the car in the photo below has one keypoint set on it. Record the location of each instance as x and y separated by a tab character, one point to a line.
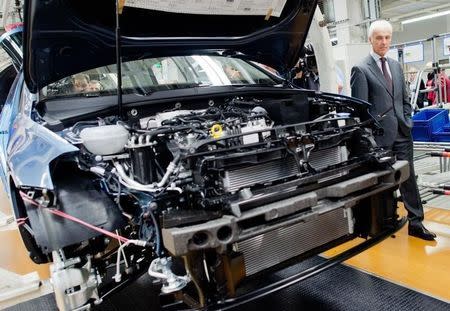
159	141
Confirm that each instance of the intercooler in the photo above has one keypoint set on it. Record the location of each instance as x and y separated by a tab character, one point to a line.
275	170
269	249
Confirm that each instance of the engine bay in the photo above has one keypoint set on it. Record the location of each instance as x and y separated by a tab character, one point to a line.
193	188
197	165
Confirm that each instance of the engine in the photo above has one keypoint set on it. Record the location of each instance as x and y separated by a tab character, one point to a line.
211	156
197	165
185	154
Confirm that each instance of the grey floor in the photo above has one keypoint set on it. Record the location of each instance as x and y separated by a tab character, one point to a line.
429	173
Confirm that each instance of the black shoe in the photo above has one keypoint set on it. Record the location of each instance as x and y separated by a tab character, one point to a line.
419	231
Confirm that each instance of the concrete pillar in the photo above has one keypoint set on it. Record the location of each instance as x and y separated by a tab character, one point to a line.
348	15
320	40
351	34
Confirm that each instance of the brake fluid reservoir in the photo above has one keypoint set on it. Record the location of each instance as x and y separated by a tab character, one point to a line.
105	139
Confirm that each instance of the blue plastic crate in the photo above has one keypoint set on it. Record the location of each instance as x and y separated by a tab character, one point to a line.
441	136
446	128
428	121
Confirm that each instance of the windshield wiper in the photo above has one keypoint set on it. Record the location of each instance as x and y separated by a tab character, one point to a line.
166	87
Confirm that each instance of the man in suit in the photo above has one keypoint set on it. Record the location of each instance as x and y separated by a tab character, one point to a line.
380	81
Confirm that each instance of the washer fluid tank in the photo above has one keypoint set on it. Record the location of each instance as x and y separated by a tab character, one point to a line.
105	139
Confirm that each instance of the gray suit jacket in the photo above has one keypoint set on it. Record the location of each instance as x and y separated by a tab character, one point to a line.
368	83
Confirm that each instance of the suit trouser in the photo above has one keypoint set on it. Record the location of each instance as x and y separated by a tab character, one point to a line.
403	149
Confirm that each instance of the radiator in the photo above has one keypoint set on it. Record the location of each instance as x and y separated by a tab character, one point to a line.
278	169
260	173
269	249
323	158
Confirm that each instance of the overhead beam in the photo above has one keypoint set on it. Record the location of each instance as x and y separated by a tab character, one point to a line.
396	4
433	9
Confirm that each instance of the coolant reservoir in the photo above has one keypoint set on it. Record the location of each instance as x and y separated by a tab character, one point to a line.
105	139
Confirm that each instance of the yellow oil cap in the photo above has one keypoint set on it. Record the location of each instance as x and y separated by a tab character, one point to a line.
216	131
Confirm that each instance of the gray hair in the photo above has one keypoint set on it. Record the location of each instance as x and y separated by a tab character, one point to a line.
379	25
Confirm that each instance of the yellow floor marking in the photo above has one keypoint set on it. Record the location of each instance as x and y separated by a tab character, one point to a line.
438	215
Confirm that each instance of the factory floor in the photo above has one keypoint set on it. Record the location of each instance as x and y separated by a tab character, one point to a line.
407	261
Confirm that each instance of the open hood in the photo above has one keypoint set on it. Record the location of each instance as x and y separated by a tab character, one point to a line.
64	37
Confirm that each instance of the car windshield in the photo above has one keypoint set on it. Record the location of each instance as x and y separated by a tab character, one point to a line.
156	74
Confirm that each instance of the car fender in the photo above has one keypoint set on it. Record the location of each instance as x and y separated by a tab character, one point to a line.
30	150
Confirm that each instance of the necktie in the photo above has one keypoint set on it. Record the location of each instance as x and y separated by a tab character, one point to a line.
386	74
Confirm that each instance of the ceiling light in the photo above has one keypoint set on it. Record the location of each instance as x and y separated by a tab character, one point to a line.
422	18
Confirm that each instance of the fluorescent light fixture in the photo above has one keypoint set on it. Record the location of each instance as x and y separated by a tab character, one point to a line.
425	17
